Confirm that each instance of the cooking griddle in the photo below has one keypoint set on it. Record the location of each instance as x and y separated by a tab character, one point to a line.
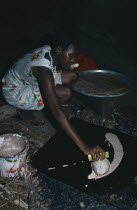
60	150
101	83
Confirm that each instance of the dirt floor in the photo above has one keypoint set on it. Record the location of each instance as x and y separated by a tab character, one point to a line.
16	193
24	191
19	192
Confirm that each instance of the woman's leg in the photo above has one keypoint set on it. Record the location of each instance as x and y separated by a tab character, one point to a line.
69	77
64	92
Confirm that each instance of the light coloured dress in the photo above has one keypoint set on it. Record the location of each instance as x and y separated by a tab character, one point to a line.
20	88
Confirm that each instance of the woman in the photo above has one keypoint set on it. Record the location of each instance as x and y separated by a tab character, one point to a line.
41	78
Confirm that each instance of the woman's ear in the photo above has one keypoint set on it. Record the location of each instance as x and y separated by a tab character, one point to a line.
59	51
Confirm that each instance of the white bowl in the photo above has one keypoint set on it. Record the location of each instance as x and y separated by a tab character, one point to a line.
100	167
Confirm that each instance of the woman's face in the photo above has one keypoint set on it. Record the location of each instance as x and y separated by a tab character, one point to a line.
66	57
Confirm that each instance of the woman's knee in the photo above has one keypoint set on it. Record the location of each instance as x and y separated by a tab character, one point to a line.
63	93
73	76
69	77
67	94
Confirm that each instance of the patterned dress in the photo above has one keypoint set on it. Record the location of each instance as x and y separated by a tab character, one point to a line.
20	88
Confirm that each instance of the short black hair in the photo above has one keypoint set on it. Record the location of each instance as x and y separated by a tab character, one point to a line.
63	39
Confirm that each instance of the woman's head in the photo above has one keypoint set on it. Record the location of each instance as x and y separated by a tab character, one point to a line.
65	47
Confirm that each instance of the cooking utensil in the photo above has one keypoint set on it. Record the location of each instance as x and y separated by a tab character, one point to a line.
101	83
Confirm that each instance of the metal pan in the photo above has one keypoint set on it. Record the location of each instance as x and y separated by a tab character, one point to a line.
101	83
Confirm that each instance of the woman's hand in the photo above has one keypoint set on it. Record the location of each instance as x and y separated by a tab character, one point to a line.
96	153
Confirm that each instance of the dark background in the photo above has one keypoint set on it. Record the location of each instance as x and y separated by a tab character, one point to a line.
106	30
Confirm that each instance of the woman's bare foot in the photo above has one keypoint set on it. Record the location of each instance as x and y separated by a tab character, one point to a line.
29	117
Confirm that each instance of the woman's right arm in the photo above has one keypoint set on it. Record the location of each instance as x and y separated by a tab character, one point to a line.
47	87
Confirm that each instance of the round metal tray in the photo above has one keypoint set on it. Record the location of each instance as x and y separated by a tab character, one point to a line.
101	83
